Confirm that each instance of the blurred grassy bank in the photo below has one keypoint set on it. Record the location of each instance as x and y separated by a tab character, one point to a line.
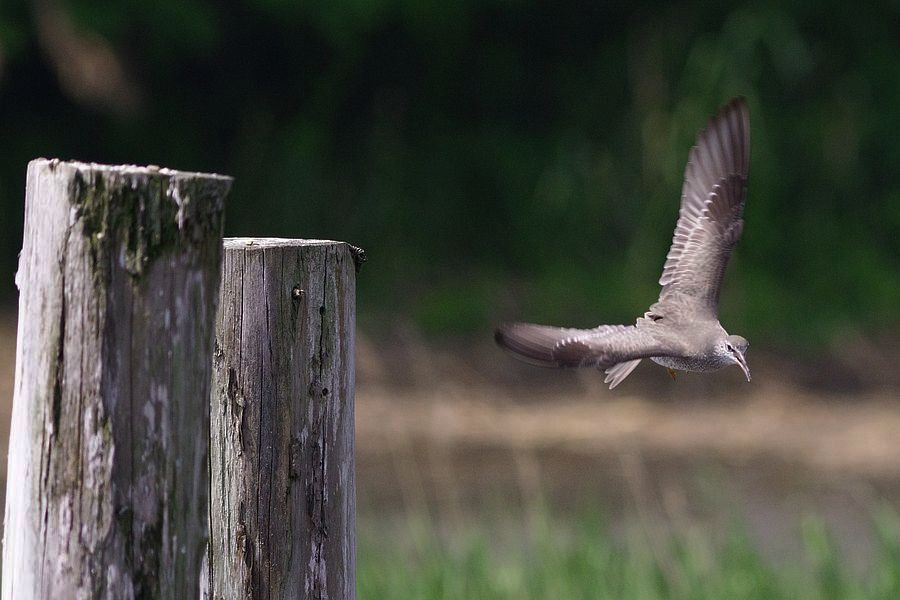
478	477
581	559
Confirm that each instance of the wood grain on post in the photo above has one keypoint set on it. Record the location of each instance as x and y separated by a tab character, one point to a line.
107	480
282	500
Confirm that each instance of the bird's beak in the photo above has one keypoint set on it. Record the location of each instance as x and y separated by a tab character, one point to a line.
742	363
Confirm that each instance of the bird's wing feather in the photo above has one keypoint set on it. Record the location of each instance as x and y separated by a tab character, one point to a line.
600	347
616	374
712	203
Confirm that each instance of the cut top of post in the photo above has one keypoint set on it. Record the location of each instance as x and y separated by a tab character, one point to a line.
270	242
148	170
253	244
149	208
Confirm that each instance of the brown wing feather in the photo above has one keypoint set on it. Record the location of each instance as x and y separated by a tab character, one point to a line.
712	203
601	347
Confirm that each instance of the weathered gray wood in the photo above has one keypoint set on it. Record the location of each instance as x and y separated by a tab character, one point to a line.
107	486
282	500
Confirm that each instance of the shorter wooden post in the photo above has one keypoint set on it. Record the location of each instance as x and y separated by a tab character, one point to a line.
107	480
282	500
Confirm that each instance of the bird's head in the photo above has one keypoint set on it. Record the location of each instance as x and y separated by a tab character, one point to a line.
734	349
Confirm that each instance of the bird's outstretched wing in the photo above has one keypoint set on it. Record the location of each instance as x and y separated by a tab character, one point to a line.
712	203
601	347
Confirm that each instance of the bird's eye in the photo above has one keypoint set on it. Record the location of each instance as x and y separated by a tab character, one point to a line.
729	347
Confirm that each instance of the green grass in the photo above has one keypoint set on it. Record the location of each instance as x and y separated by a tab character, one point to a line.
582	560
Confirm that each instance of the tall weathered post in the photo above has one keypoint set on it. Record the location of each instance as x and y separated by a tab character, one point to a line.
107	482
282	499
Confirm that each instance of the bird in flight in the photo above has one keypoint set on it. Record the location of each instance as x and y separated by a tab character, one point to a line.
681	331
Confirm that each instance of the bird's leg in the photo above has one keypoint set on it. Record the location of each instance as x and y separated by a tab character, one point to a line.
672	373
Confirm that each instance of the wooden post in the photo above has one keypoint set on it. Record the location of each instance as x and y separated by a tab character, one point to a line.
107	481
282	500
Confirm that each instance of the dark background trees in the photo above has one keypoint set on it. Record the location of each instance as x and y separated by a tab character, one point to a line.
496	159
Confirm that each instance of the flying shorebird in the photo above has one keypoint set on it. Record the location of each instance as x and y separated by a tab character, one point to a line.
681	330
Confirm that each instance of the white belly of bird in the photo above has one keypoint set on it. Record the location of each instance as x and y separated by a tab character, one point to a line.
694	363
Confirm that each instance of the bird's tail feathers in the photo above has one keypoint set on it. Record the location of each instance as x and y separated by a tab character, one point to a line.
618	372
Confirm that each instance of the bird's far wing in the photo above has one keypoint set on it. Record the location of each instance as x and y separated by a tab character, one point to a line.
712	203
600	347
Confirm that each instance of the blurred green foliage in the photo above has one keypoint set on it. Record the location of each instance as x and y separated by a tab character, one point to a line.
497	159
583	560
